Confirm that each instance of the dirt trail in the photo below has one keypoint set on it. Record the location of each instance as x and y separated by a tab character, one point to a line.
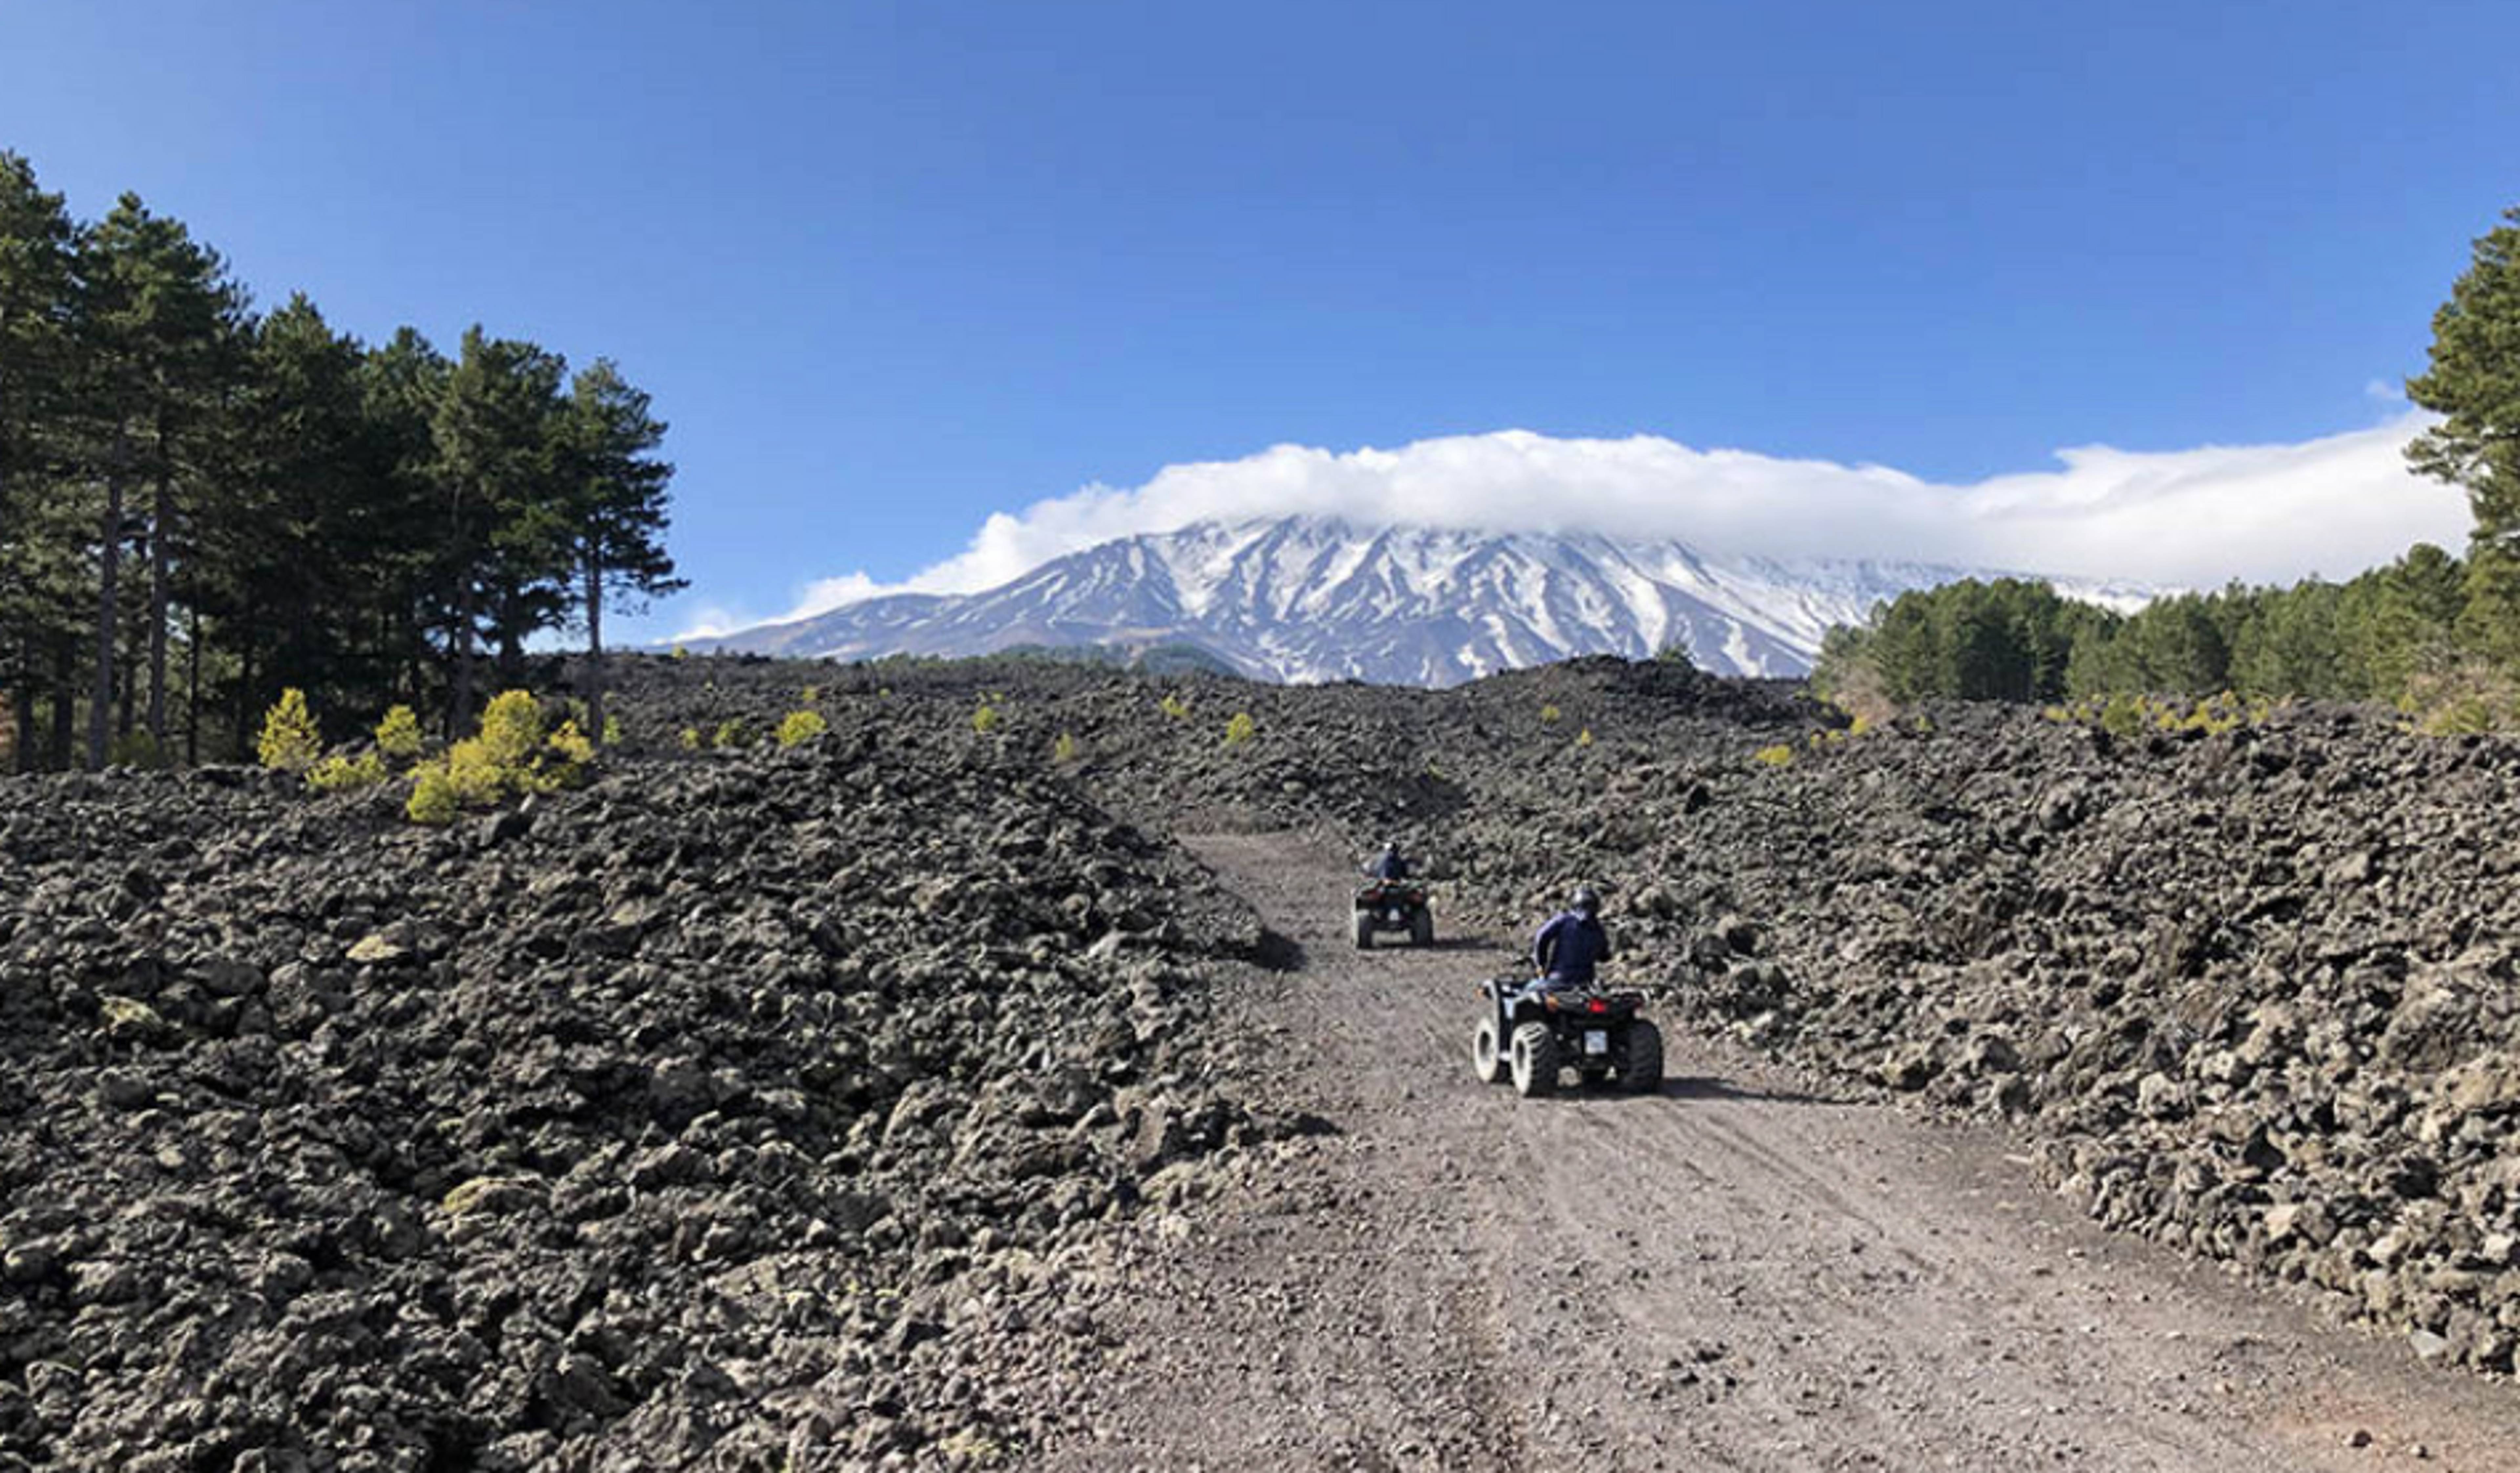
1736	1273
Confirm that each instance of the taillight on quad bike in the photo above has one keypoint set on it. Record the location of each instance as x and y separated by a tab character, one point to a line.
1599	1006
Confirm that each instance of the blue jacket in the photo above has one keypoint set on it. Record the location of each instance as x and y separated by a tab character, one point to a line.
1567	948
1387	867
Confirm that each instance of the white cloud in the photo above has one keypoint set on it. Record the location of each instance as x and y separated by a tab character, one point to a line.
2193	518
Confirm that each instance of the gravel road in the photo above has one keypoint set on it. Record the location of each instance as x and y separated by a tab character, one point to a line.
1740	1273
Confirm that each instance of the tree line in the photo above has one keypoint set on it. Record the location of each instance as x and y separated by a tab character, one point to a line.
2392	634
203	505
2432	632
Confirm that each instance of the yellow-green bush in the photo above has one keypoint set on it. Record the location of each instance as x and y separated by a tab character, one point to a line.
562	763
690	739
801	726
1064	751
611	730
510	755
1549	715
341	775
398	734
1240	729
512	727
1584	738
432	796
985	719
732	734
1175	706
1778	755
289	742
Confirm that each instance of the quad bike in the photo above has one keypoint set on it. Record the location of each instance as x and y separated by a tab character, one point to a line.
1393	905
1532	1035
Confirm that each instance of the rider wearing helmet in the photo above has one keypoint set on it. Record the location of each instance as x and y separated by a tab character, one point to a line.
1568	948
1388	865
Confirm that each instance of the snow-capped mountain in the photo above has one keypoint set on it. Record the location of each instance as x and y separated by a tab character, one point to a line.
1302	599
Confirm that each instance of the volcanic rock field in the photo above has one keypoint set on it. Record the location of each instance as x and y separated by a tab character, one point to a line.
778	1109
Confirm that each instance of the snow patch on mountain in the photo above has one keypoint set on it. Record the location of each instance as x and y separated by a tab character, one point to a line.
1311	599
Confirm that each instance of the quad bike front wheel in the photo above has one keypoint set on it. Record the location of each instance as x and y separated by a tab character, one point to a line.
1640	1061
1535	1061
1487	1053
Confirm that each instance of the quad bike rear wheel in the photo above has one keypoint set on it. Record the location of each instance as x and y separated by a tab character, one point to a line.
1421	929
1364	932
1535	1061
1488	1053
1640	1061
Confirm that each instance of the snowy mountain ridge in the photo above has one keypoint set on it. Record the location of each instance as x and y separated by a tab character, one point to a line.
1310	599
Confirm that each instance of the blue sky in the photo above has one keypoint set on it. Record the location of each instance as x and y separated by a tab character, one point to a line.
889	268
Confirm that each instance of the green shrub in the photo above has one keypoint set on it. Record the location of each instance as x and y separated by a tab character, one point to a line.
1584	738
812	694
1549	715
801	726
512	727
2123	715
564	760
1240	729
690	739
398	734
1778	755
344	774
611	730
432	796
985	719
289	742
1064	751
732	734
680	653
1175	706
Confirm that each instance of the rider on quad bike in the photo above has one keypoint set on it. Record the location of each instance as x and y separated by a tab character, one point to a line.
1530	1030
1388	902
1388	865
1572	943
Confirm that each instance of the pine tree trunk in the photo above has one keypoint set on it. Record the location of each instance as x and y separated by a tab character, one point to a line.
193	692
595	649
245	729
161	570
460	707
100	713
65	701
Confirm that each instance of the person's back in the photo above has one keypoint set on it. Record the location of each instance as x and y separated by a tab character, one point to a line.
1572	944
1388	865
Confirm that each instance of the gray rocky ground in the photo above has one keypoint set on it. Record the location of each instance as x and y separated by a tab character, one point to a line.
913	1098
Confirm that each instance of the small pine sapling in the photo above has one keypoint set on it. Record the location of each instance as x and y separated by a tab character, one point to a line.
289	742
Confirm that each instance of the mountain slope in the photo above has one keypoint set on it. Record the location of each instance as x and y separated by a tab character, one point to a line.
1304	599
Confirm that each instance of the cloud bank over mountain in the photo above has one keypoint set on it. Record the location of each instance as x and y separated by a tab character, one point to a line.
2183	518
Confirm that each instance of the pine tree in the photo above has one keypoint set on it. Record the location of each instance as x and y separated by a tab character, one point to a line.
619	510
504	558
166	322
37	285
2474	383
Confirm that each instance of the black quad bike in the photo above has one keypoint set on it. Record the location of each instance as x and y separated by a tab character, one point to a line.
1532	1038
1393	905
